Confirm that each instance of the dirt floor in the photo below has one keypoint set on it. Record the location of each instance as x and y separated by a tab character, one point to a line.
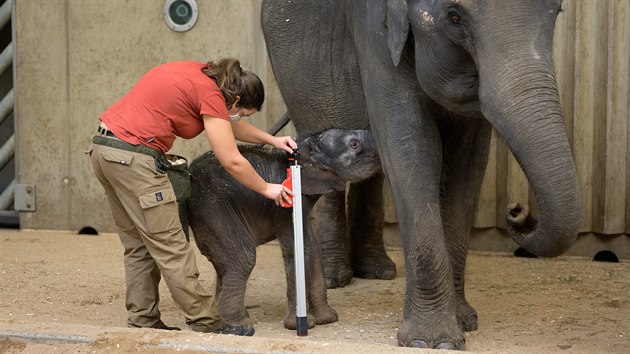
64	293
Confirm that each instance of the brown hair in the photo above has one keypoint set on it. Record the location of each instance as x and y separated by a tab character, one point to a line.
234	81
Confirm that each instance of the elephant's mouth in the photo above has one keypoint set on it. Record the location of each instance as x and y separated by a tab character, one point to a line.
308	148
460	96
465	103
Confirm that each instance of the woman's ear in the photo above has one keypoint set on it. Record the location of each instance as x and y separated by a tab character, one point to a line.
234	107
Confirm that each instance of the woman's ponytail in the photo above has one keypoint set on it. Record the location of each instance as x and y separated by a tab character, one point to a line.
234	81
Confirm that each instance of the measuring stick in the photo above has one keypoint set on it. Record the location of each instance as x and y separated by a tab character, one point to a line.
298	246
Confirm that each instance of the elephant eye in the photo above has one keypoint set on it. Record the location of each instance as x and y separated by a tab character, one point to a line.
456	19
355	144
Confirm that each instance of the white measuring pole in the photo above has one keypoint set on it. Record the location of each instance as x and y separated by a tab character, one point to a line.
298	248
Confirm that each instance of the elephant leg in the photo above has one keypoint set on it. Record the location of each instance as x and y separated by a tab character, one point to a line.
233	263
410	146
231	302
365	219
465	157
430	307
317	292
404	125
329	226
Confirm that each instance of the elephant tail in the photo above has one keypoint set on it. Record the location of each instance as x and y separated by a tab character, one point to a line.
184	217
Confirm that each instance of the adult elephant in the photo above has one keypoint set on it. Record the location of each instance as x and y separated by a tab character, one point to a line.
432	78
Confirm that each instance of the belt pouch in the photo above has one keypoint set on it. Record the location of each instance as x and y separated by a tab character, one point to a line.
177	170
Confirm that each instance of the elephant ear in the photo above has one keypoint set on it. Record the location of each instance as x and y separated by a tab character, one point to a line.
316	181
397	28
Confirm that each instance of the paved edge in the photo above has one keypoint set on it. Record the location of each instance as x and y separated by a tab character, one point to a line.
58	333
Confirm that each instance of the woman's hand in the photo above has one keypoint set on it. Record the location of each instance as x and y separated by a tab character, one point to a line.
279	193
285	143
244	131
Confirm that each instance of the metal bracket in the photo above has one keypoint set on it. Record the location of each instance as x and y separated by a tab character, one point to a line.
24	197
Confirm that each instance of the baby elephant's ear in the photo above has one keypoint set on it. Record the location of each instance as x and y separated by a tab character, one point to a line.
304	136
317	182
397	28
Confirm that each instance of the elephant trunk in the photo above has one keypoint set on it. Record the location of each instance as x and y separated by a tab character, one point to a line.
526	113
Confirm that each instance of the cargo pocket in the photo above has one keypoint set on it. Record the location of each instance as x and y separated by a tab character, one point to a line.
160	211
118	156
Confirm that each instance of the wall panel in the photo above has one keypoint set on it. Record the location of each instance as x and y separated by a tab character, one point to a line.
592	60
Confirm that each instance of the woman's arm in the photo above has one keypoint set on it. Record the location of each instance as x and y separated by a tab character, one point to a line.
221	138
246	132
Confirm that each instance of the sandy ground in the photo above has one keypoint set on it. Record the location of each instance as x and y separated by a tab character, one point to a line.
69	289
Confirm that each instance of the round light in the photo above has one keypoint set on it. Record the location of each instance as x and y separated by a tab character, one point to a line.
180	15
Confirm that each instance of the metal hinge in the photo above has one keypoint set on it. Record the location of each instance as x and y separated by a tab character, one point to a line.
24	197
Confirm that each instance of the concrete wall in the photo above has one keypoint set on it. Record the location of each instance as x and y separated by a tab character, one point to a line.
77	57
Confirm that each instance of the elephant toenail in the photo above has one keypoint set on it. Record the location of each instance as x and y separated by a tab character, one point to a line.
387	275
449	346
419	343
331	283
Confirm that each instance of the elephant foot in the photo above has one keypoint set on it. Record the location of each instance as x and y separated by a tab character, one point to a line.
467	316
337	271
438	335
373	264
236	330
290	321
419	343
325	315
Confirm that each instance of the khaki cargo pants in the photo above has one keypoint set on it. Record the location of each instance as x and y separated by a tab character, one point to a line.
143	205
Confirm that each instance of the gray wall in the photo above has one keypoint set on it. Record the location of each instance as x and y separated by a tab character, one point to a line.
77	57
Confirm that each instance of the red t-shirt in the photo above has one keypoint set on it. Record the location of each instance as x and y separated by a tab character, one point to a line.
168	101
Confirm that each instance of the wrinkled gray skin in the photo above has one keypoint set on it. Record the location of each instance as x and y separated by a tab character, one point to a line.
229	220
431	78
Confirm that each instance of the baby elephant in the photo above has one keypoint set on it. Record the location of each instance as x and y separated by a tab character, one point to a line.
229	221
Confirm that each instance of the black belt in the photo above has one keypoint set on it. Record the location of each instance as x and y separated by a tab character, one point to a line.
104	131
123	145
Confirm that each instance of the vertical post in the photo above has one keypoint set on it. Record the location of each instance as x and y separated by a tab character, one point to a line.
298	242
